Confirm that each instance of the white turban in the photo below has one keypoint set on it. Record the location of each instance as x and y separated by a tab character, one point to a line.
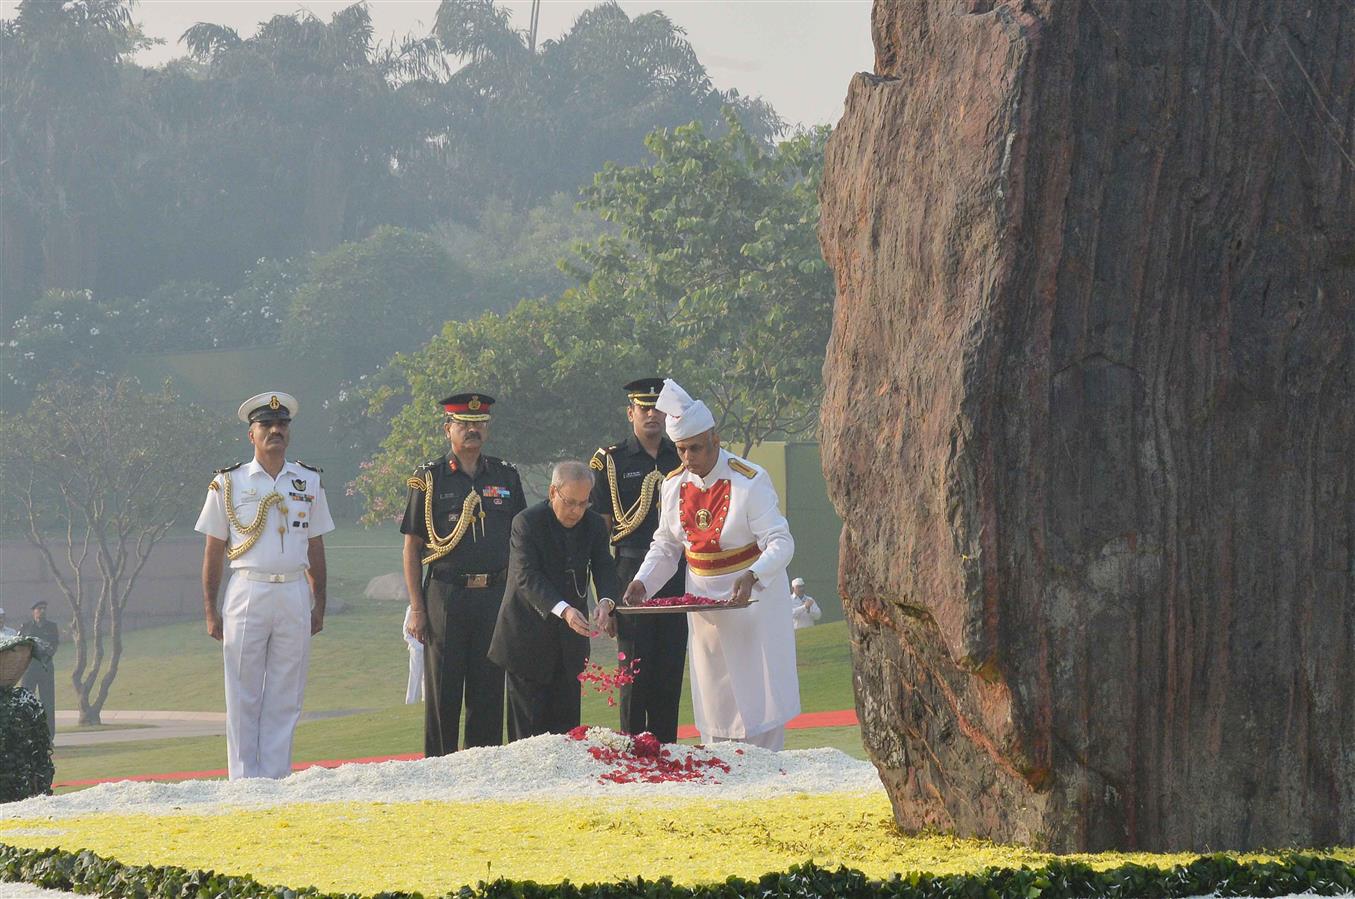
686	417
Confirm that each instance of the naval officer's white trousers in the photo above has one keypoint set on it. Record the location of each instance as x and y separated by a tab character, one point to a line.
266	642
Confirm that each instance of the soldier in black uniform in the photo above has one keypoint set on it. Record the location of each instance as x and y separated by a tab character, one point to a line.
626	492
457	523
40	678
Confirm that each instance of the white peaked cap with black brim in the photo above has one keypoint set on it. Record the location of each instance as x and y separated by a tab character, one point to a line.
271	405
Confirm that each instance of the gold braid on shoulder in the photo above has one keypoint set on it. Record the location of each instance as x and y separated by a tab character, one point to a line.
628	520
441	546
252	531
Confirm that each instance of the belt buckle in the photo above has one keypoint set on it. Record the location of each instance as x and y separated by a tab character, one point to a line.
277	578
477	580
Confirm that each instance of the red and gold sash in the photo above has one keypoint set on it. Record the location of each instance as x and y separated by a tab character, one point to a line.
730	560
703	513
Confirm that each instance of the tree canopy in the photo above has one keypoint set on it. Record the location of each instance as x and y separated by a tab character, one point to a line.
589	97
407	203
307	134
365	301
713	277
718	245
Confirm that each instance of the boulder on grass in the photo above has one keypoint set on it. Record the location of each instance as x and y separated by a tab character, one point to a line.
387	587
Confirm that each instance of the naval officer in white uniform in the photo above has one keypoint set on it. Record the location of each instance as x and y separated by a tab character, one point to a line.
721	513
267	516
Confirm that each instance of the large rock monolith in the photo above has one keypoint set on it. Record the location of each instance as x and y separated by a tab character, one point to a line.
1090	418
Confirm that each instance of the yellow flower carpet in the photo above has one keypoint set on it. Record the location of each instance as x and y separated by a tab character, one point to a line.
436	846
356	829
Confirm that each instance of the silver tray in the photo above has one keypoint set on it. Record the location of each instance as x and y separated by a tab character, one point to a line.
690	607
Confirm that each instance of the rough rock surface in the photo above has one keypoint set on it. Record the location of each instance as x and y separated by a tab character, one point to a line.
1090	418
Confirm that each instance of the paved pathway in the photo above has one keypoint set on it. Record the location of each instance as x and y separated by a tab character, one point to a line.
159	725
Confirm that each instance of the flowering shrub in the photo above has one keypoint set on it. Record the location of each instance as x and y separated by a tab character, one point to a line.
73	332
66	331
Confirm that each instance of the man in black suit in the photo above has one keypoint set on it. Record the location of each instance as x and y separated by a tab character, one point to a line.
541	638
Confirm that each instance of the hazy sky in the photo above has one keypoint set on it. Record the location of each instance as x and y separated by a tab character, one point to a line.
798	54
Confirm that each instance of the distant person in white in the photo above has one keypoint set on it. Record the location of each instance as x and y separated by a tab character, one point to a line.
804	611
414	689
268	516
6	631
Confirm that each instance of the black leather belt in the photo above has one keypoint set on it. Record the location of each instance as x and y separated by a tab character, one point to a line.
470	581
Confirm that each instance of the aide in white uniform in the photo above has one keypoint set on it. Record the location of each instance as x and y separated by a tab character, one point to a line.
270	526
728	525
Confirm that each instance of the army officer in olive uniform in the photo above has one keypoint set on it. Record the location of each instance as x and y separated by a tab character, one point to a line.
457	523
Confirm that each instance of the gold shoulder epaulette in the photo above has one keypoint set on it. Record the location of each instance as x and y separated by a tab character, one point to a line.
315	468
596	462
213	485
675	472
742	467
417	481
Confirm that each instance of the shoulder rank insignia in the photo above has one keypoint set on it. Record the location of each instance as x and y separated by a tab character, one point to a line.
742	467
315	468
596	462
416	481
497	461
675	472
227	470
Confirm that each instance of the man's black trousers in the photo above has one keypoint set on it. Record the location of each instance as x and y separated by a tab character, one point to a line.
535	707
658	644
456	662
40	679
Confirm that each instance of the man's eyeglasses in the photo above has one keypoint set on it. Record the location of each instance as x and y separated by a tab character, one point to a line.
580	504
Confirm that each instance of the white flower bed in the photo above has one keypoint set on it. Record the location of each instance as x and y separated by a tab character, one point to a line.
543	768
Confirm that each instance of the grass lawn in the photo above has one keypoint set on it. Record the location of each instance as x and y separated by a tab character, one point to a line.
359	662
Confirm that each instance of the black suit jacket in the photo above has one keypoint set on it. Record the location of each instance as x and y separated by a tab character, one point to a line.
529	640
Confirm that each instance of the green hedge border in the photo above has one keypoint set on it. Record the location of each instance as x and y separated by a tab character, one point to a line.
85	872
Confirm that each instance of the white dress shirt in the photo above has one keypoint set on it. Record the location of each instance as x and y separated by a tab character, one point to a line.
302	514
